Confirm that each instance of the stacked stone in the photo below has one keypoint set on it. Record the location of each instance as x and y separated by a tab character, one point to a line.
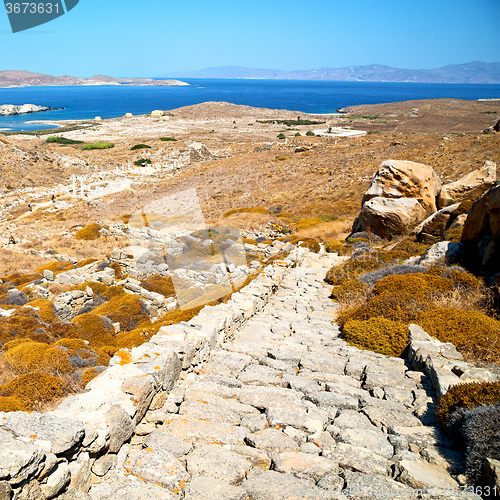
258	398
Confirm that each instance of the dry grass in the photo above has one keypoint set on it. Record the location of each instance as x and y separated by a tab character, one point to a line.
14	261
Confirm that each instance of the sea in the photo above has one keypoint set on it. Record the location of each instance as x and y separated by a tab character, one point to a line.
87	102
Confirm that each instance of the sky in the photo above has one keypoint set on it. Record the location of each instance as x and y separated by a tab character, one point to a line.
158	38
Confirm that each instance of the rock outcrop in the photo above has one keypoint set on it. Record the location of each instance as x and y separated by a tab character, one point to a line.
10	109
386	216
481	234
470	186
405	179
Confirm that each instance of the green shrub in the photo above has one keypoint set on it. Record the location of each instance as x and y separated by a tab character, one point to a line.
282	136
377	334
140	146
298	134
99	145
142	161
167	139
467	396
61	140
310	133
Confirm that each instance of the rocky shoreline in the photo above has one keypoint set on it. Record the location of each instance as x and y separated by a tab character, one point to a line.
12	109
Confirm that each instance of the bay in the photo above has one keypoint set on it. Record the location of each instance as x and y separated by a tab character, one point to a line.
87	102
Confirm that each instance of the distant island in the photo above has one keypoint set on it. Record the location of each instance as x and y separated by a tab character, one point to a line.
15	78
472	72
11	109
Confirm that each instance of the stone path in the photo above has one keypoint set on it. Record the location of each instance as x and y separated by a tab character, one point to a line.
286	410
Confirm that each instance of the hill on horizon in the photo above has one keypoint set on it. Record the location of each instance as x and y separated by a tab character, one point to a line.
472	72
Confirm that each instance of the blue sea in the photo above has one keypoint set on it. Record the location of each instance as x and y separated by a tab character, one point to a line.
295	95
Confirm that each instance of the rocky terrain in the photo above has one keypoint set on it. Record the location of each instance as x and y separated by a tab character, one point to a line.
187	251
10	109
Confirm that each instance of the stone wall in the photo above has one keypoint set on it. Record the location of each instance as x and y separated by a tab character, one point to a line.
43	454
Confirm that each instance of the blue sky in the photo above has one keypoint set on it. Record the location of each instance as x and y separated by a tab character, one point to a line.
158	37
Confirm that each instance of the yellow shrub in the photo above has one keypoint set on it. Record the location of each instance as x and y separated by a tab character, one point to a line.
106	291
377	334
472	332
308	223
349	289
56	267
88	375
337	246
14	343
352	268
10	403
89	232
454	234
418	285
85	262
249	241
30	356
127	309
18	279
45	309
33	389
159	284
396	307
467	396
405	249
119	274
252	210
95	329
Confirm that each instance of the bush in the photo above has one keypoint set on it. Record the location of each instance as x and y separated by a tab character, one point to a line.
99	145
310	133
56	267
18	279
352	268
9	403
142	161
377	334
308	223
61	140
298	134
481	431
349	290
281	158
373	277
466	396
252	210
337	246
140	146
310	243
97	330
282	136
33	389
89	232
167	139
472	332
159	284
30	356
128	310
399	307
419	285
119	274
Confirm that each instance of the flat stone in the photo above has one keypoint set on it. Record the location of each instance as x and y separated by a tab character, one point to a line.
323	363
162	440
129	488
158	467
254	423
384	417
62	433
209	488
450	460
199	432
362	485
331	482
18	461
421	436
302	384
352	419
258	458
272	485
372	439
209	412
331	400
103	464
303	465
267	397
59	478
218	462
358	459
225	363
310	422
261	375
419	474
271	440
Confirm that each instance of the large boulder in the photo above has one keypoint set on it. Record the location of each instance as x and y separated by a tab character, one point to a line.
469	187
481	234
405	179
432	229
386	216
